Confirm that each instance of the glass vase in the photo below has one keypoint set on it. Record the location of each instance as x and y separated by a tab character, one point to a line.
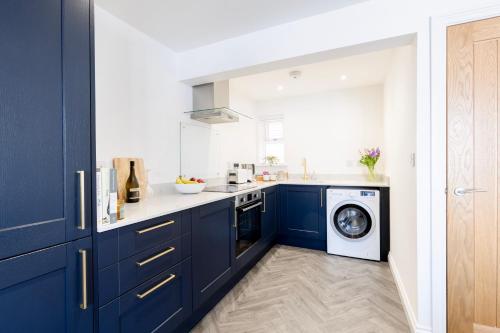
371	173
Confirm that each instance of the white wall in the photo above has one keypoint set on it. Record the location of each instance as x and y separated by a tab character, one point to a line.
330	128
316	37
209	150
139	102
236	142
400	143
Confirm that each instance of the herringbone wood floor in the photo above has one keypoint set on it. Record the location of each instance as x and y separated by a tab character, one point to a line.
299	290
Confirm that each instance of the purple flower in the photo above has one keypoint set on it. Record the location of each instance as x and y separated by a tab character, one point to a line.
370	156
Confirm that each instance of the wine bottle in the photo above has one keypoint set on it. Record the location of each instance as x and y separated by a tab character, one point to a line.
132	185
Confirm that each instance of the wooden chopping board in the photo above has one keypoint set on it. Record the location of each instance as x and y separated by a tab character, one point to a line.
122	166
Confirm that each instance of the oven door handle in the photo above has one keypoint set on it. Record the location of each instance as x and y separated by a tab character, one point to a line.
246	209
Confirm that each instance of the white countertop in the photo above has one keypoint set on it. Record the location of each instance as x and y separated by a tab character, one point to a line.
170	202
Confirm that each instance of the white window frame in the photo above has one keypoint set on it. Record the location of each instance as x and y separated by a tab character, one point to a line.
264	136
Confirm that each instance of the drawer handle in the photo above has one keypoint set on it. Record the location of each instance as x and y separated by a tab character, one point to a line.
246	209
143	231
158	286
156	256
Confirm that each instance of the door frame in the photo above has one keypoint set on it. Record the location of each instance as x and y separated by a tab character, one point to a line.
439	25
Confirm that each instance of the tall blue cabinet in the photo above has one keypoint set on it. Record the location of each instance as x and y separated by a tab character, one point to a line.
45	165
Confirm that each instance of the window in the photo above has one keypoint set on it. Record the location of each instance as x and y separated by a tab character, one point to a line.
274	143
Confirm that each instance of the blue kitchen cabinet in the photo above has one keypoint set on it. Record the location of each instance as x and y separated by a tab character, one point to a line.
160	304
144	275
48	290
269	214
212	249
303	216
45	125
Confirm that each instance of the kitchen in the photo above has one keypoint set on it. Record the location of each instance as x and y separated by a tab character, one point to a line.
241	167
323	114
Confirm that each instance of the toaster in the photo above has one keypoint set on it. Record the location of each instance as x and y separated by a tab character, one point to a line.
239	176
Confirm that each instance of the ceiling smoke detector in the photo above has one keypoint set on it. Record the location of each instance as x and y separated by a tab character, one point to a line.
295	74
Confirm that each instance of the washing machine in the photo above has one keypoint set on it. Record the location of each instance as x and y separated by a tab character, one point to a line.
353	222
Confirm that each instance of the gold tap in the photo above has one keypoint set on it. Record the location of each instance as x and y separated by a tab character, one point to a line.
304	164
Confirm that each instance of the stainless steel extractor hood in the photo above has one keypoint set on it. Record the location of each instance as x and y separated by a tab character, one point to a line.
211	104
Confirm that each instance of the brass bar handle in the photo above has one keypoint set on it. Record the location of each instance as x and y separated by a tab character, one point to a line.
158	286
164	224
264	200
84	304
153	258
81	176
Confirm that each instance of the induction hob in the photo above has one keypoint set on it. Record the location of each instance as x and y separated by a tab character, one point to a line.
230	188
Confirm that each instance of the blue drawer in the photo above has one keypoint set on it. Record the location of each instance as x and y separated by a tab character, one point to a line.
143	266
144	235
161	303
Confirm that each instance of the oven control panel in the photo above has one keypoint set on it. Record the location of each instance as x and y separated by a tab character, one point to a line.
246	198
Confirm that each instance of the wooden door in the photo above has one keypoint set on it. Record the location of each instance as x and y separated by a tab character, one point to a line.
473	284
45	117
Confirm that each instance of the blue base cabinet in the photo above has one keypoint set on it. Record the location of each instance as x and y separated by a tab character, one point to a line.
48	290
303	216
160	304
145	275
213	240
270	214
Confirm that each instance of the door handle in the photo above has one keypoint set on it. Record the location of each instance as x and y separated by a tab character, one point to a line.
264	200
81	176
321	197
460	191
246	209
84	304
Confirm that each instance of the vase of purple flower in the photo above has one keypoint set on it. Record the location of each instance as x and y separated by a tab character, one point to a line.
369	158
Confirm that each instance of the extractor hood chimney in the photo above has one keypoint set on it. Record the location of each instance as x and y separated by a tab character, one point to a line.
211	104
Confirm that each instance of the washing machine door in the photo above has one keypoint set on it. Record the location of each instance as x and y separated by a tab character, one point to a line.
352	221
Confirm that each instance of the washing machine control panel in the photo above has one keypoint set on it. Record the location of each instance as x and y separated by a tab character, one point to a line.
367	193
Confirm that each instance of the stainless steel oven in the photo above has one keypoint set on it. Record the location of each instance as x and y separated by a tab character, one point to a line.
247	220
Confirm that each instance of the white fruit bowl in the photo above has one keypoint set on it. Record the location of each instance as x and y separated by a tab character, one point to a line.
190	188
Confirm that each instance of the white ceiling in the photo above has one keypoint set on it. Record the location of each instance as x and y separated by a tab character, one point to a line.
359	70
187	24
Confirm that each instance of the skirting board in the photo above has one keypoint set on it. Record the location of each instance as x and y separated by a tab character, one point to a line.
410	315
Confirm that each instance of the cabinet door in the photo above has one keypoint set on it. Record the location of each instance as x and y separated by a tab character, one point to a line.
45	114
45	291
303	209
213	248
269	214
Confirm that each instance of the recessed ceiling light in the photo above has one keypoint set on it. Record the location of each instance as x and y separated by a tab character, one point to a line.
280	87
295	74
343	77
